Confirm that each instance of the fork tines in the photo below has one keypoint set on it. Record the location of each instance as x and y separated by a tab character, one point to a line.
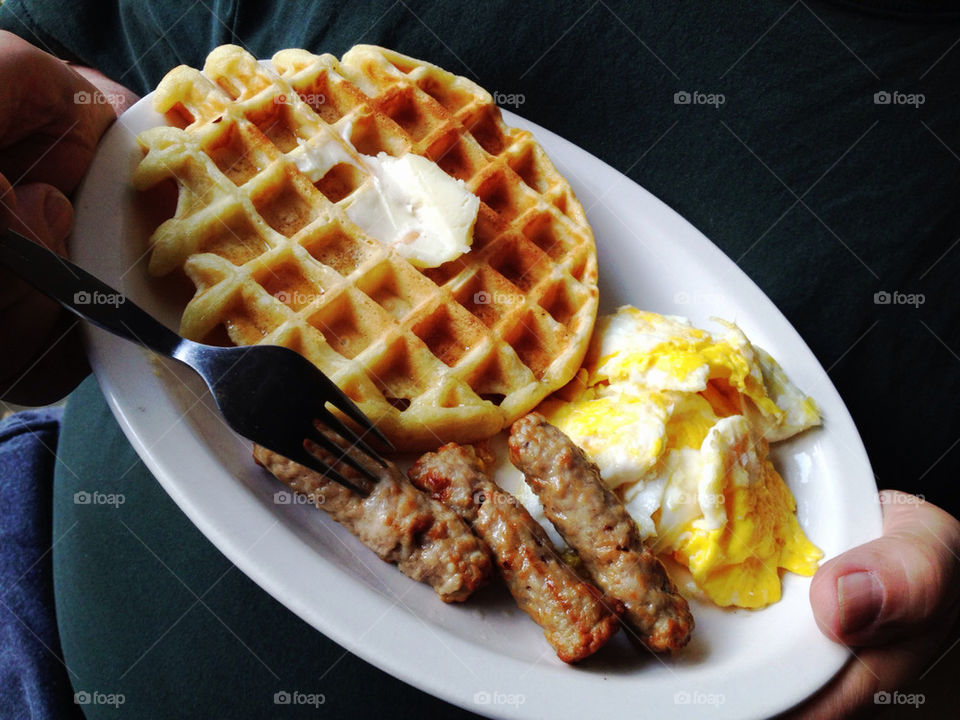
309	460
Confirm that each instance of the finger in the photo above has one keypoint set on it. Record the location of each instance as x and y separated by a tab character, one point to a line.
894	587
42	213
119	97
37	211
876	669
27	318
47	132
43	357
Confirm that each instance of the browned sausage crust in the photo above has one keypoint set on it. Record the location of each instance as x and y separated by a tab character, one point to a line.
574	616
595	524
402	525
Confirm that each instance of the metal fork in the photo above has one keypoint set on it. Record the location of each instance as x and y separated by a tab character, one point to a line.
269	394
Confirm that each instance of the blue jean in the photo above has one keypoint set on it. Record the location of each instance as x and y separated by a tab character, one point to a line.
33	680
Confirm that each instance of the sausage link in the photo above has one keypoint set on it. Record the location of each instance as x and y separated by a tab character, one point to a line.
596	524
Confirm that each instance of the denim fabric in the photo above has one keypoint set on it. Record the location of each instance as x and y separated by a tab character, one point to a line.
33	678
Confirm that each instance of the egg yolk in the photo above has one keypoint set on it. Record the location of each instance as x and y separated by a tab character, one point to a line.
739	564
676	418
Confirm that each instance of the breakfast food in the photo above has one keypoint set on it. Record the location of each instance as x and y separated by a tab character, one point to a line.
427	541
594	523
575	618
311	215
679	420
375	214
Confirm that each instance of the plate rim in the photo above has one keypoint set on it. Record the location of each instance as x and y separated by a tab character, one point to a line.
103	348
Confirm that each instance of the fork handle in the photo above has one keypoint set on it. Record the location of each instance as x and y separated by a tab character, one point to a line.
83	294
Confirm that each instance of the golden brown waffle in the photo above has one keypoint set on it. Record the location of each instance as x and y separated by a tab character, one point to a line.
453	353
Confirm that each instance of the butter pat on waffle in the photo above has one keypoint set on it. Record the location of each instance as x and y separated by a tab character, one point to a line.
271	166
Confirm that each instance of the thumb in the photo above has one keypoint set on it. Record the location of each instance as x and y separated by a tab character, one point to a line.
895	586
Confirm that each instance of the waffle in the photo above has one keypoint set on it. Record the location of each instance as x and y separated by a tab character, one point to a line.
452	353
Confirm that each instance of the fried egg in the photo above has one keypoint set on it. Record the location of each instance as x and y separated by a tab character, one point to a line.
679	420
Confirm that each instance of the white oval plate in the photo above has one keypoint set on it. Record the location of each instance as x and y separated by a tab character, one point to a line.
485	655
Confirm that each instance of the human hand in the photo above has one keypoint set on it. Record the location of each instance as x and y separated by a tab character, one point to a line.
51	118
893	600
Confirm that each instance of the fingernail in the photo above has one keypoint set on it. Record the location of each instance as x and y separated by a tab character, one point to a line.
860	597
57	214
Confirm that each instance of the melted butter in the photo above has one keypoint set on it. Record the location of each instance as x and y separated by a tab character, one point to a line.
315	161
407	203
417	209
